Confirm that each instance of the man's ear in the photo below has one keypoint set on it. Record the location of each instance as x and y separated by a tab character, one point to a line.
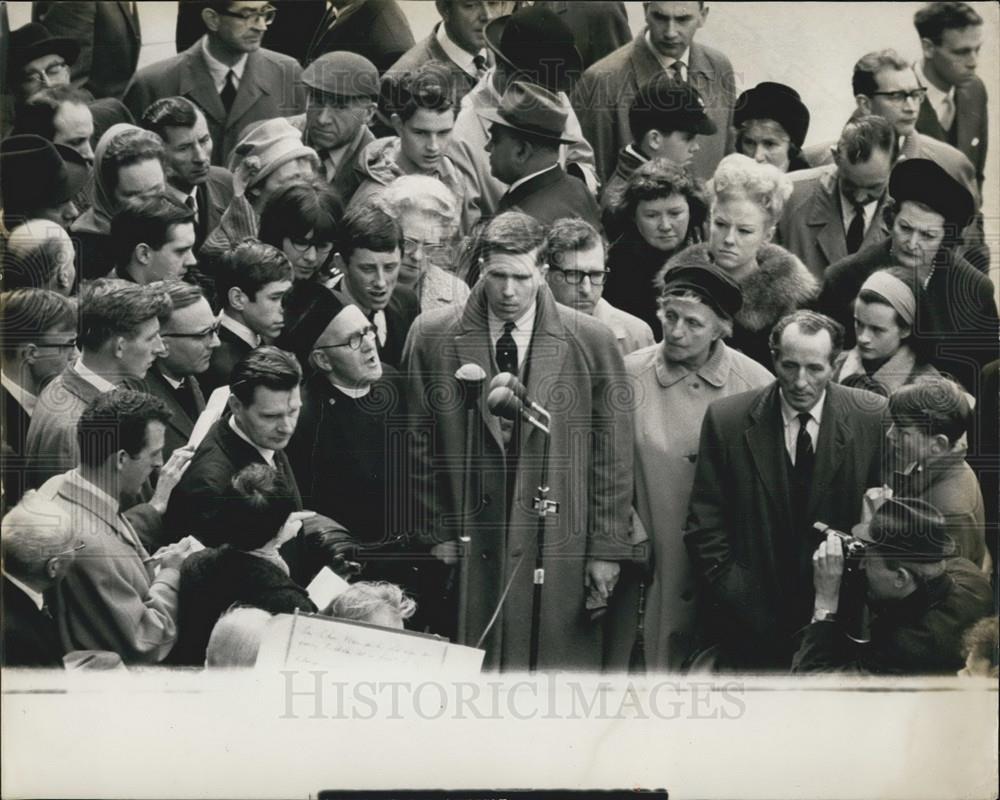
120	457
28	353
52	567
864	103
142	253
652	141
234	403
370	113
940	444
118	346
927	48
237	298
210	19
319	360
397	123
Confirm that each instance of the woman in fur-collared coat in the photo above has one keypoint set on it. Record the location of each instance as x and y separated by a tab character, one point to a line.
747	199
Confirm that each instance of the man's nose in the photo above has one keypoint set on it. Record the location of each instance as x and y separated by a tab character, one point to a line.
160	349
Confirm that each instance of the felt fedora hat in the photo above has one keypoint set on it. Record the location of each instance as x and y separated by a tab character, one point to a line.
33	41
537	45
531	110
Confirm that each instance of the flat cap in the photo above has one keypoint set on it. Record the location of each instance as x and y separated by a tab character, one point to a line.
343	74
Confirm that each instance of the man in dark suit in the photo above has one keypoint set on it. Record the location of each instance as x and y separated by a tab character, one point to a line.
227	74
375	29
456	44
109	36
187	162
190	334
954	110
527	130
834	211
371	245
772	462
250	284
37	340
604	94
39	547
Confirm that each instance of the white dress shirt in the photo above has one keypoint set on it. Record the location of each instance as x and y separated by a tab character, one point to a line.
847	212
267	455
24	398
218	71
463	58
668	62
790	418
943	103
236	327
523	328
91	377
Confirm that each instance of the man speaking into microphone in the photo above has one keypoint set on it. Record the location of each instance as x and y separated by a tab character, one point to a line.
569	364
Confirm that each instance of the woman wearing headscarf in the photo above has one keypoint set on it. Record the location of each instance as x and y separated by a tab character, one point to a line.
674	383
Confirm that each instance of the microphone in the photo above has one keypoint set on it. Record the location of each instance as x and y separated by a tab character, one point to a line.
504	403
471	377
510	381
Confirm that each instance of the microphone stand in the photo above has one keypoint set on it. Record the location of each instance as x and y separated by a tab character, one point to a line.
472	388
544	508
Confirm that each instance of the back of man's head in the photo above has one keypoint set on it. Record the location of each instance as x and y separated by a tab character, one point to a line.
249	267
39	253
259	505
37	114
113	308
115	421
145	222
169	112
935	406
33	533
28	314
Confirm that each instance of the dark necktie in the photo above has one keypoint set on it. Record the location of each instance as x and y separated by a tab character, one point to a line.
676	71
507	350
856	230
804	453
228	93
185	399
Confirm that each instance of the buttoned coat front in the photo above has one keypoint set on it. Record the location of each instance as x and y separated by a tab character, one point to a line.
971	134
574	370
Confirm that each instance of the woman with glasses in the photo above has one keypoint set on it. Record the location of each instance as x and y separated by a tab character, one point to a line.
661	211
677	380
301	221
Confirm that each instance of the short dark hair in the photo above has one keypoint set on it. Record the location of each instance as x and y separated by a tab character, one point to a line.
870	296
250	266
369	227
809	322
570	235
169	112
117	420
934	19
146	221
863	79
128	147
656	179
863	135
37	114
266	366
111	308
426	87
181	293
258	506
937	406
299	208
512	232
26	314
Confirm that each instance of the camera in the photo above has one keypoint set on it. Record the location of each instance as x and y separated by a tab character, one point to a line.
852	609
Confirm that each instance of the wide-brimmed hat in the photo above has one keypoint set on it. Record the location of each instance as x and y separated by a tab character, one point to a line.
263	149
777	102
924	181
907	528
538	45
33	41
343	74
531	110
34	175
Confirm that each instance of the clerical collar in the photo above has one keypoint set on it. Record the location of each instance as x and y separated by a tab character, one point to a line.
464	59
352	392
267	455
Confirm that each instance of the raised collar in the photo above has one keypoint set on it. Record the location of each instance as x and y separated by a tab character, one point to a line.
267	455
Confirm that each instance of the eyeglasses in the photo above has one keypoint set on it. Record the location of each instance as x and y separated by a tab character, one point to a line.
901	96
208	333
265	15
69	345
302	246
355	340
438	252
74	549
53	70
575	276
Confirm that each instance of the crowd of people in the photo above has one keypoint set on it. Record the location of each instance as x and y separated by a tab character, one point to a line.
540	334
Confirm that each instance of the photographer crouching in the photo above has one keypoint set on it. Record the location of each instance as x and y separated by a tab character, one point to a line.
921	598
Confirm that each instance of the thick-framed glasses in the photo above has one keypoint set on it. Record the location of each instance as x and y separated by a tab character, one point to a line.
265	15
355	340
437	252
302	246
208	333
901	96
67	345
53	70
574	276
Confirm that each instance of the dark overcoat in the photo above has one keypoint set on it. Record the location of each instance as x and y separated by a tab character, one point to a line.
970	130
573	369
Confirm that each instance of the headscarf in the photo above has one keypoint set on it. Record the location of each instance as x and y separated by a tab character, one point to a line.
97	219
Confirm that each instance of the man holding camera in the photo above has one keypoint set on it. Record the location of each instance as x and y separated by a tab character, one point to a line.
921	599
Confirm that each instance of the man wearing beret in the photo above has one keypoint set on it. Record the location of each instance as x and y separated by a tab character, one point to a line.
667	120
922	600
956	322
342	90
226	73
604	94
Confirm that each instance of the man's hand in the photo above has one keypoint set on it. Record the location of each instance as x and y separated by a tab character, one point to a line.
448	552
828	568
170	476
601	578
173	555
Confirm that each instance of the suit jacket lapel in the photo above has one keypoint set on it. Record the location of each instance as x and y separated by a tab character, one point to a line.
547	353
132	22
179	419
833	436
252	86
196	84
928	122
765	440
644	63
826	220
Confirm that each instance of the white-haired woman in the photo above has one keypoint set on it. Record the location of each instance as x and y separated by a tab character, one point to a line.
428	214
379	603
747	199
674	383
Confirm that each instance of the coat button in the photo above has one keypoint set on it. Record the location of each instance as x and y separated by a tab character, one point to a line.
695	385
485	556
